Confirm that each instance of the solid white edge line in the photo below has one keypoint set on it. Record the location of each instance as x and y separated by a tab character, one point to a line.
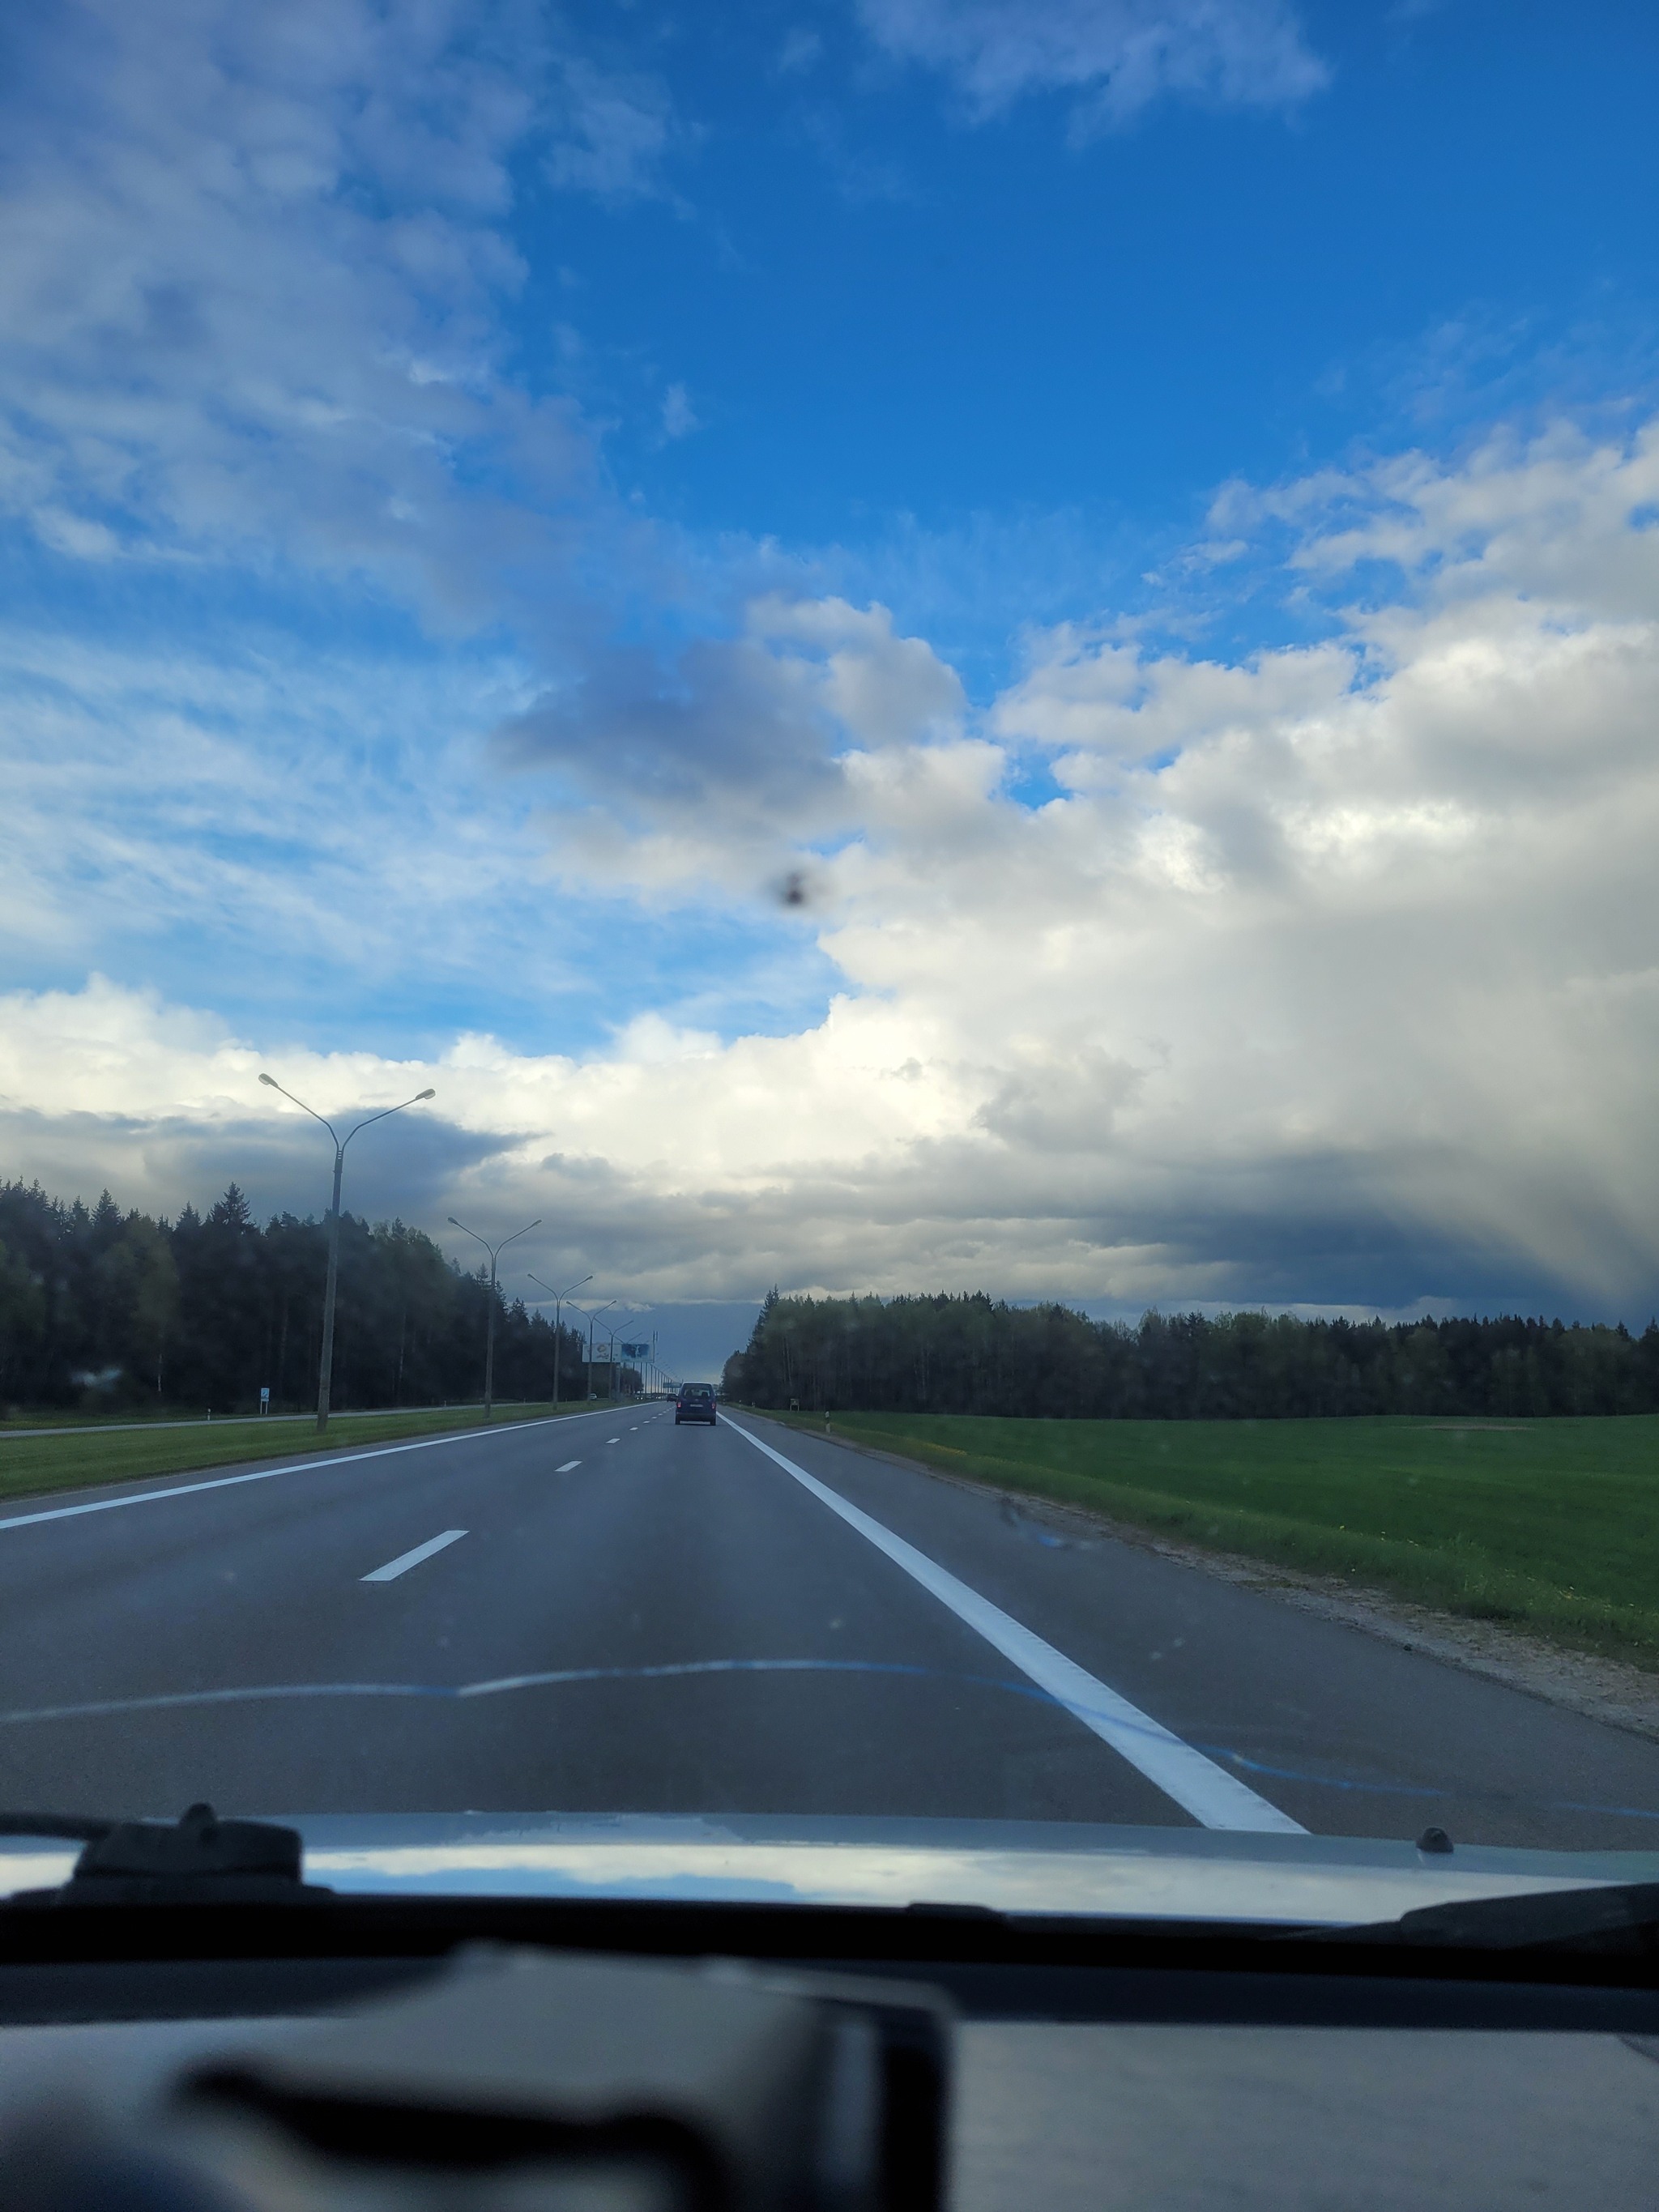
405	1560
295	1467
1215	1798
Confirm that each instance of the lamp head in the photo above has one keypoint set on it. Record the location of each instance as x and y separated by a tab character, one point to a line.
272	1081
452	1222
419	1095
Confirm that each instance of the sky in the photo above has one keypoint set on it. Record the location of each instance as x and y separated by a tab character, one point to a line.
901	644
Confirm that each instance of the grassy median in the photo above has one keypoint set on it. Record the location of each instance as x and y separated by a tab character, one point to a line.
74	1457
1552	1525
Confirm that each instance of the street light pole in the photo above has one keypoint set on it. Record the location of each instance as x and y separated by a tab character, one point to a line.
592	1318
558	1299
494	1252
616	1385
326	1371
615	1372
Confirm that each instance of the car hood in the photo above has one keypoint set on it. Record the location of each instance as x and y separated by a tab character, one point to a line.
1015	1867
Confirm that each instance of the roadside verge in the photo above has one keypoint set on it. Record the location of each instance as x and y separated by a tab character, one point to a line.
75	1459
1601	1683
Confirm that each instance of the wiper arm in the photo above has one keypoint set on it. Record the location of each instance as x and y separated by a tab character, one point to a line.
1612	1917
202	1860
74	1825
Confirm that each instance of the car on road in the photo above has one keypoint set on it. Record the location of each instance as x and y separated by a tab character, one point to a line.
695	1401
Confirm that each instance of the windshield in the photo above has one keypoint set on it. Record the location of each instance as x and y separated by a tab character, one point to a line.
829	922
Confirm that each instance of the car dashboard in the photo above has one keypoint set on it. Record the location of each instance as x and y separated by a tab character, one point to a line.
1134	2069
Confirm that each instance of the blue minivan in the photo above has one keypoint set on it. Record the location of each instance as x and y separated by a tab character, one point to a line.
695	1402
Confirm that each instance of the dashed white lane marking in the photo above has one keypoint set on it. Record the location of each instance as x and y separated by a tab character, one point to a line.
295	1467
1215	1798
405	1560
566	1468
613	1440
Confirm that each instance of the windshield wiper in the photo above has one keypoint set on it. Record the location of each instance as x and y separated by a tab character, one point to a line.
75	1826
201	1860
1620	1917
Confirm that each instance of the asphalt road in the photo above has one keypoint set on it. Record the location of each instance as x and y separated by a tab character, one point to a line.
677	1622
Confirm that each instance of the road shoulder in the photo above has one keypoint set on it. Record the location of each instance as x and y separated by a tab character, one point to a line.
1606	1690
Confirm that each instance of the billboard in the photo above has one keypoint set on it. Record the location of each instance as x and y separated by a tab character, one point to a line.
635	1351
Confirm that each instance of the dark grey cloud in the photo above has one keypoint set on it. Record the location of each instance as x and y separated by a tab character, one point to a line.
406	1167
723	719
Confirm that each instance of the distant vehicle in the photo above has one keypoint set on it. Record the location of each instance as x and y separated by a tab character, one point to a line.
695	1402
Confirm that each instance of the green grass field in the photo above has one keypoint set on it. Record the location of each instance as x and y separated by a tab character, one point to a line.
1552	1525
88	1453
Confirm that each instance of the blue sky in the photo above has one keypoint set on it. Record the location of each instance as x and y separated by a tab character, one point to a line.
890	318
1140	510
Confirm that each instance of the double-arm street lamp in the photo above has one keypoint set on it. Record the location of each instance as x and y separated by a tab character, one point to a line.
590	1319
612	1334
629	1352
325	1373
558	1299
494	1252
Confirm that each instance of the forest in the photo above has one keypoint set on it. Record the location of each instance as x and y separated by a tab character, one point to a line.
970	1355
105	1310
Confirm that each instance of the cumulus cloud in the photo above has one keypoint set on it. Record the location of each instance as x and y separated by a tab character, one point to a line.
1117	57
1321	971
1327	974
738	754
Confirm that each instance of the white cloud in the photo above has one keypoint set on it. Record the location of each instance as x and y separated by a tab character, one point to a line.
254	271
680	417
1117	56
1327	976
250	277
1327	972
615	130
289	812
1108	702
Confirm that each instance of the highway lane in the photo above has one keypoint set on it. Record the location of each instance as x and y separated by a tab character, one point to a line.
667	1548
353	1635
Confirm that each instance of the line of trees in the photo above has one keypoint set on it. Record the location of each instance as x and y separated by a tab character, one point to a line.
968	1355
112	1309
